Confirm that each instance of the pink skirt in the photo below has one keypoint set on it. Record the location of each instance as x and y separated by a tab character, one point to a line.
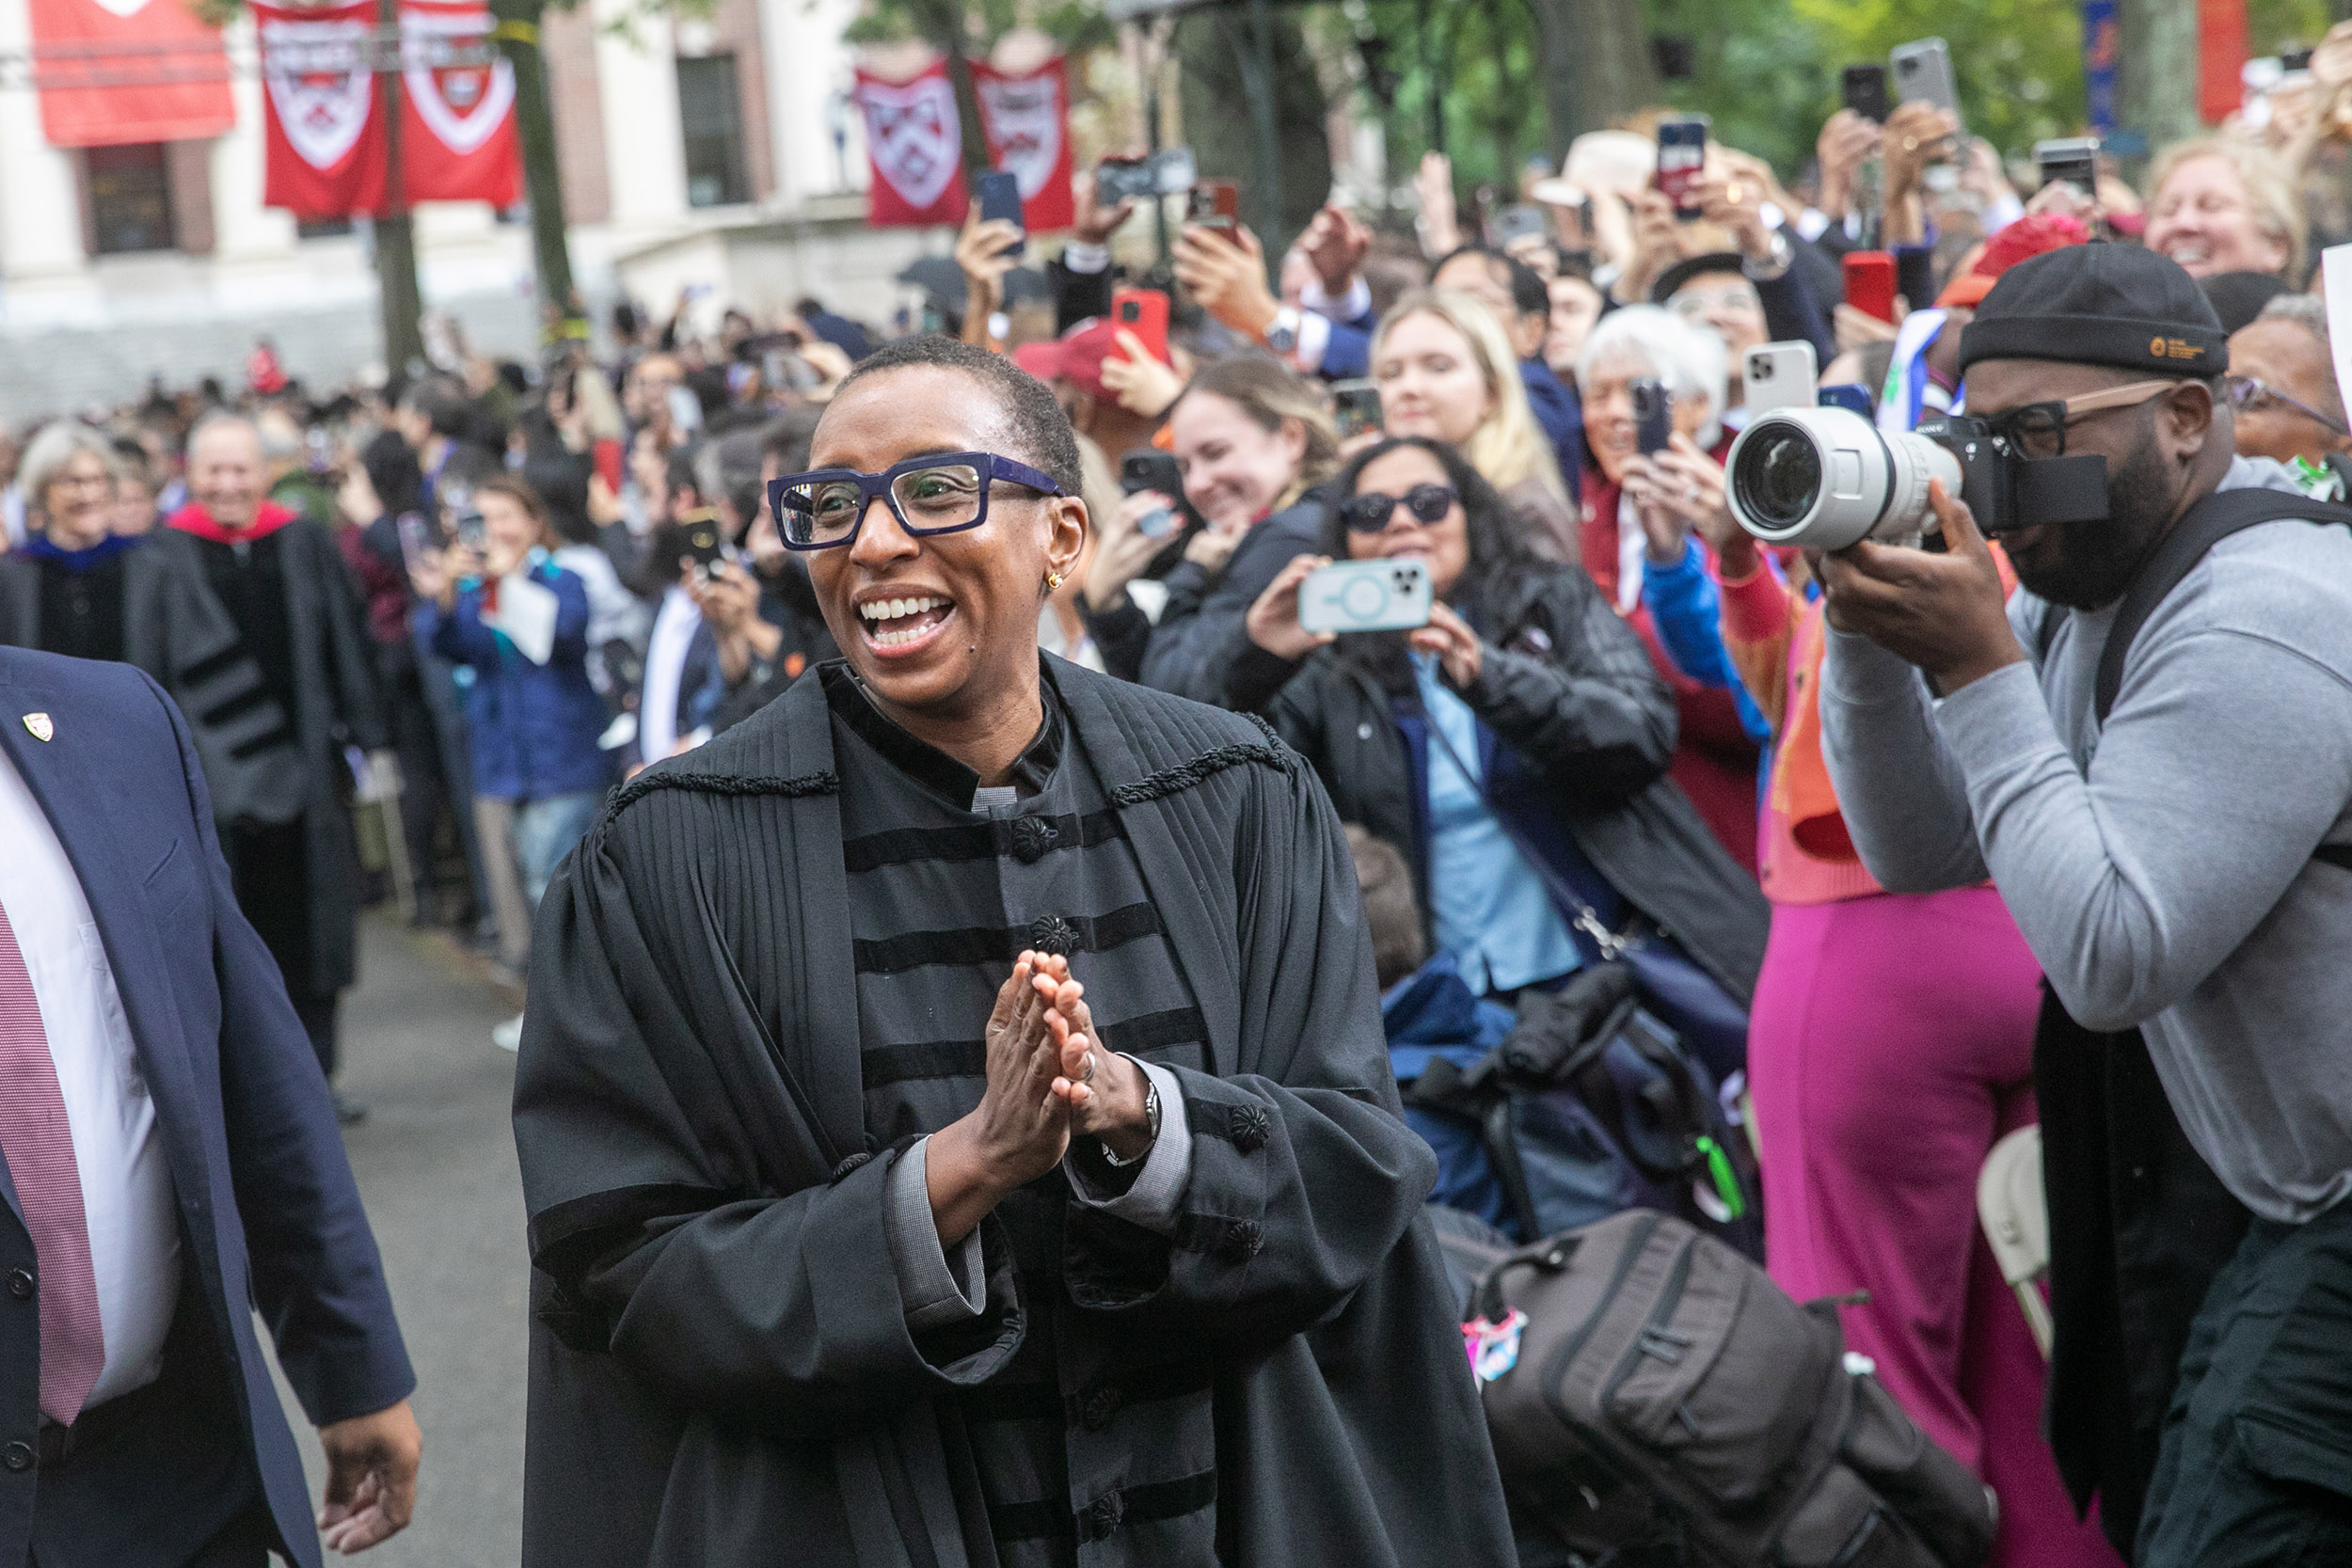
1892	1044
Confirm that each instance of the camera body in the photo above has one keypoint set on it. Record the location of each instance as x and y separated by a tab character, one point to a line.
1366	595
1825	478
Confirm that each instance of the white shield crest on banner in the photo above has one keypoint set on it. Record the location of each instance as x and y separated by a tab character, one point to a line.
123	8
1025	120
463	101
913	135
320	85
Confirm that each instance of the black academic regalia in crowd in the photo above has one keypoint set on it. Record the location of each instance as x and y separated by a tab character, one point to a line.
145	601
298	879
767	968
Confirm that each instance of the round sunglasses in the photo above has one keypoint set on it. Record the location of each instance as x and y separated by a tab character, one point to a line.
1369	512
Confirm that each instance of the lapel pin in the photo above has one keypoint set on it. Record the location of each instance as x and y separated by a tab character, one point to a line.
39	725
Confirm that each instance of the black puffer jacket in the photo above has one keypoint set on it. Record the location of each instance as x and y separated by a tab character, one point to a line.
1566	686
1203	634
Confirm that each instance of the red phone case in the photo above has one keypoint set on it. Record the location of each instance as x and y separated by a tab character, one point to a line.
1870	282
1150	318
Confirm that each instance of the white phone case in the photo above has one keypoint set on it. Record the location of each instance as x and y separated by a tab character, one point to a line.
1365	595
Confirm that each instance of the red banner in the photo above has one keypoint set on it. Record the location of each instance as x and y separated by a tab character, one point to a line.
916	145
324	135
1027	121
457	139
112	71
2220	59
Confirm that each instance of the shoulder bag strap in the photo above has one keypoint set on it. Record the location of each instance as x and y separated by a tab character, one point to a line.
1581	916
2206	523
2210	521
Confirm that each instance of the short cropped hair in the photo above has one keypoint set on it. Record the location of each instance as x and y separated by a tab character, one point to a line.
2309	312
1039	427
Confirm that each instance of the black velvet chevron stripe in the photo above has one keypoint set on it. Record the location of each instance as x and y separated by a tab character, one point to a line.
980	944
211	664
718	783
1021	1401
886	1065
1184	775
980	841
1104	1517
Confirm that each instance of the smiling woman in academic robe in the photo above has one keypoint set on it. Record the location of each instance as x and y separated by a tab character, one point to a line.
954	1114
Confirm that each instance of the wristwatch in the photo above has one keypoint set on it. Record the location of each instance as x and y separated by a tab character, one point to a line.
1282	335
1151	1118
1776	263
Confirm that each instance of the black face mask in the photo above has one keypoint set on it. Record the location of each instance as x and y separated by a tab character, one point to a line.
2098	558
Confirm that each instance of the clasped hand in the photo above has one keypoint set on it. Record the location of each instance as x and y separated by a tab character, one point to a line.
1049	1080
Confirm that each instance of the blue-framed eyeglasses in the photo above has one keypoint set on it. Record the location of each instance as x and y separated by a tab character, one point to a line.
939	492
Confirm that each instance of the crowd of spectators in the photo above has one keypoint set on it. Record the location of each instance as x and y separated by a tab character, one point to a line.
499	590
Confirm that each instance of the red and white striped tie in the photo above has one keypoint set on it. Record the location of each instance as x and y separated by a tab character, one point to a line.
38	1143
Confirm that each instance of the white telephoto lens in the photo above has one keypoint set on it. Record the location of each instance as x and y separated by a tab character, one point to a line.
1825	478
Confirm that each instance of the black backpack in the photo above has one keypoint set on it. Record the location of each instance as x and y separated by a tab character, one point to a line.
1659	1403
1591	1106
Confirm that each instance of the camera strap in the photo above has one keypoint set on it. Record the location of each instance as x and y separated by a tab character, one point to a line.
2205	525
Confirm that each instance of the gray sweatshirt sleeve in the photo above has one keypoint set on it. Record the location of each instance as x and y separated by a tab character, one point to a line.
1899	788
2223	765
936	1289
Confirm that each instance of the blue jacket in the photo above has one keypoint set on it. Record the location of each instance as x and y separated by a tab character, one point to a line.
533	727
268	1214
1687	608
1561	415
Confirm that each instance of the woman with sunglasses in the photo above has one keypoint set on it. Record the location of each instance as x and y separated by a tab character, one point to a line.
1525	715
954	1113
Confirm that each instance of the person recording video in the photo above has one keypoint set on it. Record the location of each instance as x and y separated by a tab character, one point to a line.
2149	753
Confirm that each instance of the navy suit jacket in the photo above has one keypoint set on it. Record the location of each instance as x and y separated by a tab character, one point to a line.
269	1215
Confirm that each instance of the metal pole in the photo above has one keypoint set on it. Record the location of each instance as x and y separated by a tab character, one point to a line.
1152	55
1257	70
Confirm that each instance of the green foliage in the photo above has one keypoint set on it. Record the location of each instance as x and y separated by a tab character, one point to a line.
1485	52
1075	25
2019	62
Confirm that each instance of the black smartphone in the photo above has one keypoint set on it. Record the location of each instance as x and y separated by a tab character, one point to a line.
472	531
1150	468
704	546
1864	89
2074	160
1653	416
1355	407
1000	198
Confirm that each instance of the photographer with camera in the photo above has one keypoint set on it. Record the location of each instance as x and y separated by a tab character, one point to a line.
2149	753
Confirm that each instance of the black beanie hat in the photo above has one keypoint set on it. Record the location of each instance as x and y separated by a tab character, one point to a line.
1689	267
2099	304
2238	297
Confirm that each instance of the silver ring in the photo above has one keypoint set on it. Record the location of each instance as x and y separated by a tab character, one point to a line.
1089	1077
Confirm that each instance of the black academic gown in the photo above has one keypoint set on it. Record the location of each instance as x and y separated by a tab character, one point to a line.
720	1369
332	680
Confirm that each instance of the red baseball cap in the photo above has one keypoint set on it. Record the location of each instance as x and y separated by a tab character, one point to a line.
1076	356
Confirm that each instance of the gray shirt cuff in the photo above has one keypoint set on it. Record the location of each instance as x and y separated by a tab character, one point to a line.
936	1288
1151	1200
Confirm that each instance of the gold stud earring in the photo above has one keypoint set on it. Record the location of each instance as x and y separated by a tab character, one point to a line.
1053	580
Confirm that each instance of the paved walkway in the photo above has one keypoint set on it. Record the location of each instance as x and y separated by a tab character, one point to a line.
435	1164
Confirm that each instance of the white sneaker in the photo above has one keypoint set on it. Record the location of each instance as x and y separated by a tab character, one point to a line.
508	1035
